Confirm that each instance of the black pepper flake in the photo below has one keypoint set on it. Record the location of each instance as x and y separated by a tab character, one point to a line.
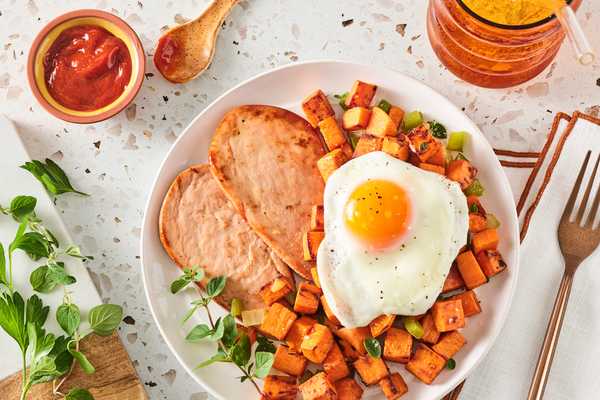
149	75
598	82
164	117
87	171
235	42
347	22
166	99
97	144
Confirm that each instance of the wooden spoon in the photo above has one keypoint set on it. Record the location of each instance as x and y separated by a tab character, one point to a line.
185	51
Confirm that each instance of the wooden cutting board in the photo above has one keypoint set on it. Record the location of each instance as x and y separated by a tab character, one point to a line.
115	376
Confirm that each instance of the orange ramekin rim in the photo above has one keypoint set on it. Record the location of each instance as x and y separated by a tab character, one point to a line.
134	46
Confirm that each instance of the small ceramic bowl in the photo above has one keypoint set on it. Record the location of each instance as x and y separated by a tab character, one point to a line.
47	36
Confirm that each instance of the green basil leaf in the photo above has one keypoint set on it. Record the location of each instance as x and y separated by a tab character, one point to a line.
57	273
215	286
189	314
264	345
68	317
79	394
179	283
43	371
230	332
39	280
240	353
51	176
217	334
105	318
220	356
3	279
36	312
85	364
12	318
264	362
21	206
33	243
198	332
373	347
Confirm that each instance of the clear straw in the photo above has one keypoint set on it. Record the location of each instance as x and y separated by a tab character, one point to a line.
583	50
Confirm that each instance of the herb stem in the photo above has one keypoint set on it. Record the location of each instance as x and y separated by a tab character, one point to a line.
246	374
10	270
24	384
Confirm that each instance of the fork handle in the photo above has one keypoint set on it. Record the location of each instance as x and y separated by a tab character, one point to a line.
542	370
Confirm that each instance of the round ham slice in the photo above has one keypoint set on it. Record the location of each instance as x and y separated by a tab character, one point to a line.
199	226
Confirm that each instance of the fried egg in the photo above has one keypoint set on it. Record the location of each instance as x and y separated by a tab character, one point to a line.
392	231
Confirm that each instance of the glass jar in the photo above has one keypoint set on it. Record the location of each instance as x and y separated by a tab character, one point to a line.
488	54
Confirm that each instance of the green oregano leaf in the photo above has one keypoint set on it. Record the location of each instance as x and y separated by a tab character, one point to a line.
105	318
68	317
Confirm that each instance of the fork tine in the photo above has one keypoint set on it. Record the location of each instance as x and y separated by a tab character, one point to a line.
569	207
594	211
586	195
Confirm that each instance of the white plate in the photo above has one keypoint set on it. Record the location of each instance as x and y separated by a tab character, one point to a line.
286	87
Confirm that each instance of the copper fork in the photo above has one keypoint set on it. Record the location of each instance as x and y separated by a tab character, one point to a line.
577	239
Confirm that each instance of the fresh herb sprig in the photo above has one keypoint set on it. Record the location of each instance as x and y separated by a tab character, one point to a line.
233	345
51	176
46	357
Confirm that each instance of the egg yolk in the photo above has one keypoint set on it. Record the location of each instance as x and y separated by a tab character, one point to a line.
378	213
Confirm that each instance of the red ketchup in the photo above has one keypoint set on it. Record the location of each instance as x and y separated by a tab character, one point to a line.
167	55
87	68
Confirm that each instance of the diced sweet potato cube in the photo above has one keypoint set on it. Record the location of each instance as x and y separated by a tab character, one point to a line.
397	115
477	222
347	150
316	107
299	329
307	298
448	315
439	157
491	262
461	171
275	290
289	362
356	337
470	270
380	124
397	346
422	143
279	387
332	133
317	343
361	95
371	369
381	324
367	144
356	118
316	218
485	240
310	244
469	301
426	364
453	280
315	277
330	162
349	352
396	146
328	312
393	386
335	365
319	387
348	389
449	344
278	321
431	334
438	169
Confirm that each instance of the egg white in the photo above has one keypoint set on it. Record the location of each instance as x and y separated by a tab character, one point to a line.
405	279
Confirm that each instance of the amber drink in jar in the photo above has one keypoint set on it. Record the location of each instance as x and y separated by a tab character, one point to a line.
490	46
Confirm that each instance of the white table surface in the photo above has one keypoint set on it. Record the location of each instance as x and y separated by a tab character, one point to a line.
115	160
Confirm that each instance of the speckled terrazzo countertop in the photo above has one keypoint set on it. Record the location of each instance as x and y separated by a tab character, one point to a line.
115	161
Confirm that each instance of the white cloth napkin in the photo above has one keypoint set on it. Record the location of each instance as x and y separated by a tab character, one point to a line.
506	372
